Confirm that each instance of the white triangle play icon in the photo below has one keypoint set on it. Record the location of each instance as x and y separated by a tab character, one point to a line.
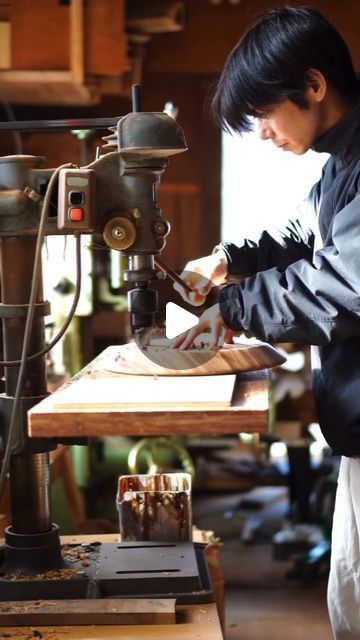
178	320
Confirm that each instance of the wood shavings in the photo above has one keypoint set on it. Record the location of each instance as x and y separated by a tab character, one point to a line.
77	555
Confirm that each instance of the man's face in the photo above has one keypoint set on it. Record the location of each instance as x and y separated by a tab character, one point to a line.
291	128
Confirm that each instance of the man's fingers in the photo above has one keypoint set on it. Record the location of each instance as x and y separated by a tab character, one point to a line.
210	319
181	291
216	335
203	286
189	338
176	342
196	299
199	284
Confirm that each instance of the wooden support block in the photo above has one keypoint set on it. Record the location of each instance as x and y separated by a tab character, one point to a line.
108	611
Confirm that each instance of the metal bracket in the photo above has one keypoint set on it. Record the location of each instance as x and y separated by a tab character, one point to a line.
21	443
20	310
33	195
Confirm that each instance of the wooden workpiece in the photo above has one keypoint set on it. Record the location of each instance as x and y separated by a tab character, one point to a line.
192	621
99	402
100	611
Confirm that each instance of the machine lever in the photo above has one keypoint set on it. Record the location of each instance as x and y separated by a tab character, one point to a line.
172	274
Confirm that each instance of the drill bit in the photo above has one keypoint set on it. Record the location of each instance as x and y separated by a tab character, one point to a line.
142	336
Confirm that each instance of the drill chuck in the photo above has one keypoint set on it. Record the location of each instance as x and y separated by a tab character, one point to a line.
143	306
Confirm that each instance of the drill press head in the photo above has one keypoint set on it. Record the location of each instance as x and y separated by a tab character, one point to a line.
115	195
144	140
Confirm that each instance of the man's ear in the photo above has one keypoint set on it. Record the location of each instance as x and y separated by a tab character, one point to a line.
316	85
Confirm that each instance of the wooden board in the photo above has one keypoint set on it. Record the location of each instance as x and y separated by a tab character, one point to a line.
128	392
200	622
158	360
76	612
248	413
100	31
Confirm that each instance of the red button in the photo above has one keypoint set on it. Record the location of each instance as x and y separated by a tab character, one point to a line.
76	214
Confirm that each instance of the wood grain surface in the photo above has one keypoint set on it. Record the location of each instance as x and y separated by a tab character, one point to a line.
247	412
161	360
94	611
198	622
101	391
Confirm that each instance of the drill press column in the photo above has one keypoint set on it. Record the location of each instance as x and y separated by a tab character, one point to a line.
29	463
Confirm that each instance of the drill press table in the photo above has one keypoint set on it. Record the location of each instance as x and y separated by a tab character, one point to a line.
98	402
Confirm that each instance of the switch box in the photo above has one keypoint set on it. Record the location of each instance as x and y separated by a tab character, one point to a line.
76	200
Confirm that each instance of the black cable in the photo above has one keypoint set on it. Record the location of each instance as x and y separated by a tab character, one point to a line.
28	327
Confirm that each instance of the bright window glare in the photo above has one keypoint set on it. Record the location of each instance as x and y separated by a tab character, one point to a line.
262	185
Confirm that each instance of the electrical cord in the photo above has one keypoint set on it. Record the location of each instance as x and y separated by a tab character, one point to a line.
28	327
55	340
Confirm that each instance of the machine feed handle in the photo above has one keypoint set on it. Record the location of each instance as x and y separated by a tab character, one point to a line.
172	274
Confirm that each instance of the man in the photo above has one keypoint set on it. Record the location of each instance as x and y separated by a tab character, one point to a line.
292	71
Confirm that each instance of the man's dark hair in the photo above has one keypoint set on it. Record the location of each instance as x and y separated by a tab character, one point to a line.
271	63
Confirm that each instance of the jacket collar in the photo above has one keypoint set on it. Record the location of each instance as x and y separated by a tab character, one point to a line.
343	139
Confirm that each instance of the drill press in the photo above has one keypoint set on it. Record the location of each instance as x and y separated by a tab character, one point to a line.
115	195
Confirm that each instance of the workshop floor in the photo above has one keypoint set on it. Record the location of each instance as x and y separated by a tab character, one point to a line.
261	603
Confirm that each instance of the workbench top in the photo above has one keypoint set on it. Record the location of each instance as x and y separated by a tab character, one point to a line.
97	402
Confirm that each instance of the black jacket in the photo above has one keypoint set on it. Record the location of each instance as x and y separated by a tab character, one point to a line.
306	287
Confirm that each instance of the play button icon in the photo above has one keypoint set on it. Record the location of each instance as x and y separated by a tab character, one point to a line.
178	320
173	320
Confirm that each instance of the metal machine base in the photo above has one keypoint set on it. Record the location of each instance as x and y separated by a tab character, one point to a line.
124	569
32	553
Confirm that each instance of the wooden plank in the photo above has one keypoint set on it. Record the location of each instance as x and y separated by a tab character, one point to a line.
76	41
248	413
81	37
5	39
40	35
83	40
105	38
193	621
45	87
104	611
199	381
158	359
120	392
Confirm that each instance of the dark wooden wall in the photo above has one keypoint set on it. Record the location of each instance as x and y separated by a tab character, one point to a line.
212	31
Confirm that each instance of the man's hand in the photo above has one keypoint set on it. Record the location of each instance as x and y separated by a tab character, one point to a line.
201	275
210	319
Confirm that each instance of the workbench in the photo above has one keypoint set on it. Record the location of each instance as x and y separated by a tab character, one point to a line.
89	416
